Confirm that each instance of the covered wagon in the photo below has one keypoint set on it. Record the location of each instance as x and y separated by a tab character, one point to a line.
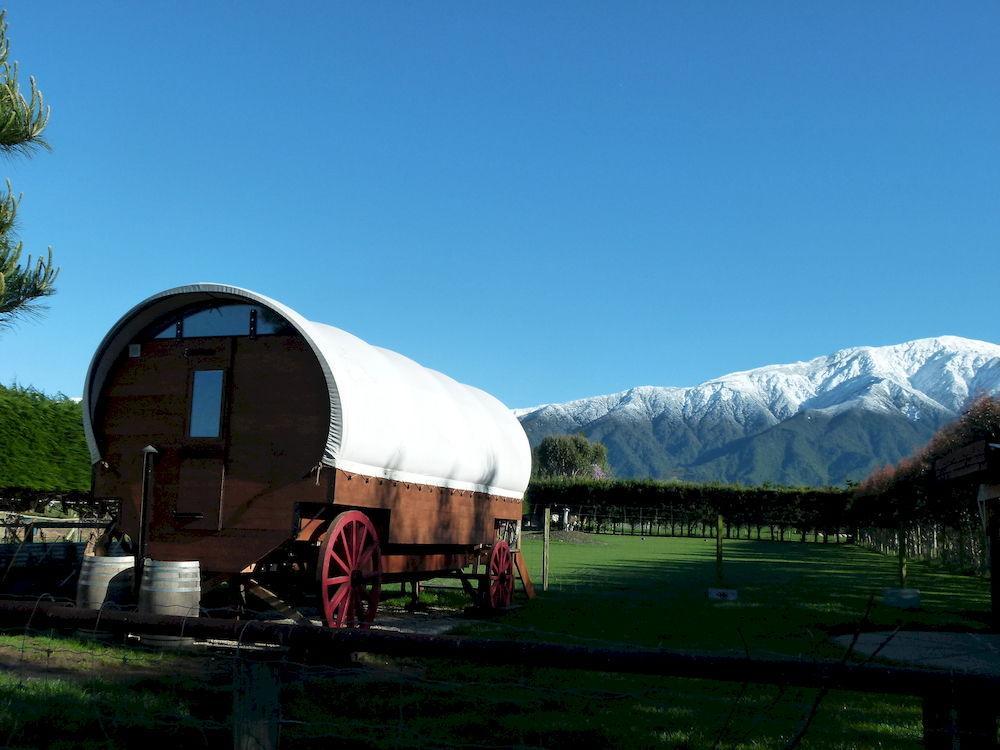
237	433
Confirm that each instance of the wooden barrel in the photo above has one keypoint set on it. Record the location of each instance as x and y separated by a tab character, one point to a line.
104	581
170	588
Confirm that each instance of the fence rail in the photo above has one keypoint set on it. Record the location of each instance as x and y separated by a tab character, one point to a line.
962	548
960	707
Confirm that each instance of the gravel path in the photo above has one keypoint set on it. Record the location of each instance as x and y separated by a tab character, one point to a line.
974	652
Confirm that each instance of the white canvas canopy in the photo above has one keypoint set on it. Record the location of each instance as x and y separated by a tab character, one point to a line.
389	416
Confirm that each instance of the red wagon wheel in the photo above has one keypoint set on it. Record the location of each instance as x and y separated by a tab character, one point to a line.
500	574
350	565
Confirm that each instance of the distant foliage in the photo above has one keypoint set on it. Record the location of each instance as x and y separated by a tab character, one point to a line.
42	446
909	493
929	518
789	507
570	456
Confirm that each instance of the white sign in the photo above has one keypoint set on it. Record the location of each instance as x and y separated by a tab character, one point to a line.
723	595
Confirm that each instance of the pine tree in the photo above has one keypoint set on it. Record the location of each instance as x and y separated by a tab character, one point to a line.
22	121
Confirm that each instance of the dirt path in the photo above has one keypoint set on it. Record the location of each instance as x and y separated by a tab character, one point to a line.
973	652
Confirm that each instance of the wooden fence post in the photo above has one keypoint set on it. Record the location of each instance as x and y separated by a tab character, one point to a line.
256	705
902	556
718	549
545	548
959	720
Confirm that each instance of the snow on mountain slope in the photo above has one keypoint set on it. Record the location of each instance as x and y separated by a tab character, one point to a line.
926	380
938	373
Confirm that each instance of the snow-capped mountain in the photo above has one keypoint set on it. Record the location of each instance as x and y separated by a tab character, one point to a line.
821	421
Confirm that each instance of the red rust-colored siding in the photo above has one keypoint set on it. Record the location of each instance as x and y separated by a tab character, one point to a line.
273	435
274	431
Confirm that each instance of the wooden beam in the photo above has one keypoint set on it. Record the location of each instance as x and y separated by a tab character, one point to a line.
328	645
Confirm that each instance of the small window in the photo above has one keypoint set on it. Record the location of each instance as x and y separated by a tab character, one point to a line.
206	404
222	320
269	322
228	320
170	332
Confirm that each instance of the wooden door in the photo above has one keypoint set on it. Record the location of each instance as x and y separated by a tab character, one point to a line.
202	451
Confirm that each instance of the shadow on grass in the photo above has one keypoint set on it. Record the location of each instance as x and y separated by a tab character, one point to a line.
791	595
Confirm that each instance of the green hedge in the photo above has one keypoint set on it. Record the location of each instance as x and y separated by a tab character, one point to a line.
800	507
41	441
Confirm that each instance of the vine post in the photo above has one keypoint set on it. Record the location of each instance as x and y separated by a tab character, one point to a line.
902	555
545	548
719	523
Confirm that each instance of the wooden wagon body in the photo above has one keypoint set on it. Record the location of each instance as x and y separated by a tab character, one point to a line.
268	427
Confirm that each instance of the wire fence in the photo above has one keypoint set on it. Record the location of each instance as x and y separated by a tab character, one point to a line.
97	684
90	686
961	548
670	522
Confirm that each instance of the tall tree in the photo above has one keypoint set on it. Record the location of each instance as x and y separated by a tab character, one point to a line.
571	456
22	121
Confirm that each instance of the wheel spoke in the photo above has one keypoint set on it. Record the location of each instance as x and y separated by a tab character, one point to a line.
344	567
336	579
335	602
360	544
349	542
342	616
338	598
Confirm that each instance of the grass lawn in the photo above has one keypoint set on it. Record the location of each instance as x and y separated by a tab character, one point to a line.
604	590
62	692
626	590
652	592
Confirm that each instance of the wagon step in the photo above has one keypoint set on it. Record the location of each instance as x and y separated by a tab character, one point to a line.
272	600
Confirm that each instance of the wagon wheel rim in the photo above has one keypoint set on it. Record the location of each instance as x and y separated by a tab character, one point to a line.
350	571
500	572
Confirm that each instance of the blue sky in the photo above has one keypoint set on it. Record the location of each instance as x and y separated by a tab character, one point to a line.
548	201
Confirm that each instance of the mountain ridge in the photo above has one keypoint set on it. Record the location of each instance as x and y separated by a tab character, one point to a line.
668	431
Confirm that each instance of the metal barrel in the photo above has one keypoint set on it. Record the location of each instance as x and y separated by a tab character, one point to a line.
170	588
